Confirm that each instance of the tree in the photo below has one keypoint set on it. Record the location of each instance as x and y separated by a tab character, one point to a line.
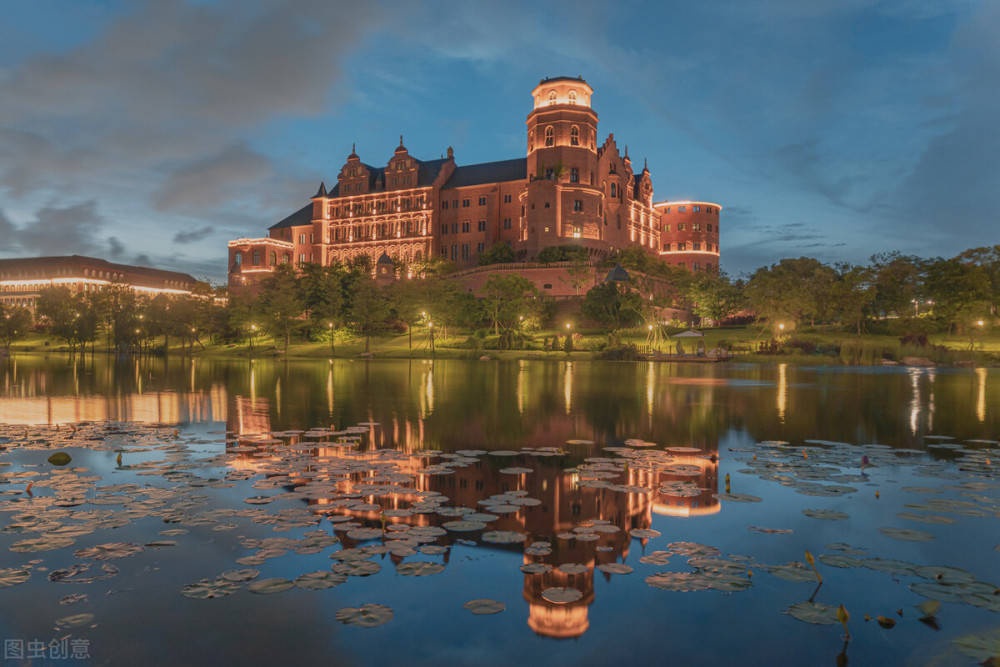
409	300
280	303
14	324
792	289
580	273
562	253
506	298
960	292
612	307
498	253
851	295
323	296
715	296
988	259
369	310
897	281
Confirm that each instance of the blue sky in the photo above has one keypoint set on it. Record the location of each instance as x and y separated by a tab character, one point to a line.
155	131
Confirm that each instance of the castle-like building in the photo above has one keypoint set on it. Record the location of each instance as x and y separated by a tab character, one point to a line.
569	190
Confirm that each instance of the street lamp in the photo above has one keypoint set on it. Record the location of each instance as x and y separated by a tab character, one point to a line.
329	326
569	325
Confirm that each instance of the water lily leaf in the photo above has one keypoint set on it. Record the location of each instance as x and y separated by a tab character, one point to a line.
839	560
317	581
13	577
906	534
72	574
573	568
48	543
614	568
829	515
536	568
270	586
207	589
982	648
796	572
75	621
356	568
503	537
363	534
419	568
737	497
561	595
813	612
656	558
73	598
367	615
928	608
60	459
484	606
644	533
238	576
463	526
109	551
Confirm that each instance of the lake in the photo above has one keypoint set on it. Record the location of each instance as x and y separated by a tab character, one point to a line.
467	512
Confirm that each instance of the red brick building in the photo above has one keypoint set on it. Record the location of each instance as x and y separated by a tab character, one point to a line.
22	280
569	189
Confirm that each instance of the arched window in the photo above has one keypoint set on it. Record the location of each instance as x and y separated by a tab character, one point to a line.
574	136
552	97
572	97
239	259
550	136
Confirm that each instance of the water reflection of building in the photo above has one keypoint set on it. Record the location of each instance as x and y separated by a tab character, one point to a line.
561	505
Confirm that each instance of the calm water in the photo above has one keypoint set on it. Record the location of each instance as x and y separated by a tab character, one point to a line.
589	499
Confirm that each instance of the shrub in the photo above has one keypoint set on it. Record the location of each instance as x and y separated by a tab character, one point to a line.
803	345
568	345
620	353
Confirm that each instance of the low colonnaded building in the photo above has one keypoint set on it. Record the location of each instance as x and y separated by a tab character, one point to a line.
569	189
23	279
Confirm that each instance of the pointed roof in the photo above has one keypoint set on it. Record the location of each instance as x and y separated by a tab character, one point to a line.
401	148
354	152
384	259
617	275
322	190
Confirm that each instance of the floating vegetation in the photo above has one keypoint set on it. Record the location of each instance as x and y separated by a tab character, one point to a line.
906	534
484	606
420	568
829	515
367	615
561	595
270	586
13	577
814	612
614	568
207	589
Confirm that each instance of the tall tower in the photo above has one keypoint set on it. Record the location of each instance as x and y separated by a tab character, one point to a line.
562	201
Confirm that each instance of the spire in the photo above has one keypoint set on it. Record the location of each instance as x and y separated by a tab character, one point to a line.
401	148
645	166
322	190
354	151
627	158
400	140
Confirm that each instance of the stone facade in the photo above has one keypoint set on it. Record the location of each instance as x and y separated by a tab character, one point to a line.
569	189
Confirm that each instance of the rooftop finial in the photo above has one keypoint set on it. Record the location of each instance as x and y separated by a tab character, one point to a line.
400	140
645	165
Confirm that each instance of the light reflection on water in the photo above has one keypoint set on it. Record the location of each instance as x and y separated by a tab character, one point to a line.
450	405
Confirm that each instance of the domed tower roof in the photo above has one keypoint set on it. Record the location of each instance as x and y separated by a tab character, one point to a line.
559	90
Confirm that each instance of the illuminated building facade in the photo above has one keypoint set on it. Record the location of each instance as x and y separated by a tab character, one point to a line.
569	189
22	280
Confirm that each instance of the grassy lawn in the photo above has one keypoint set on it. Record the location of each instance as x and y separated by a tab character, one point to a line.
743	338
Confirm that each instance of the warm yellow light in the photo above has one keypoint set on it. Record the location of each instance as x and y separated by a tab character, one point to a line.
781	326
650	327
569	326
979	322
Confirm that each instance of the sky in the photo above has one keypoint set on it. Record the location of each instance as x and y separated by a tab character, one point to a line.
154	131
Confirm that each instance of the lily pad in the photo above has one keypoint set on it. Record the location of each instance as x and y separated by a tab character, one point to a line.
906	534
561	595
207	589
614	568
367	615
829	515
238	576
317	581
813	612
270	586
419	568
484	606
13	577
356	568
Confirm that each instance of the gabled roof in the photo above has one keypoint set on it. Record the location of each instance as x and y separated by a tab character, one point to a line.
489	172
303	216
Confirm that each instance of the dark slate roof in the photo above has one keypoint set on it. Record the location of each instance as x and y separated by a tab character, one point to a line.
489	172
384	259
617	275
303	216
562	78
428	170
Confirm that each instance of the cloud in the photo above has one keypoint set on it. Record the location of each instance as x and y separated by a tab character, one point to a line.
204	183
116	247
54	230
193	235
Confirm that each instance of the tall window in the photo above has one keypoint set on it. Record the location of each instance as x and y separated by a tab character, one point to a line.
482	201
465	226
550	136
238	258
302	238
482	225
578	205
574	175
574	136
572	97
552	97
274	258
614	190
506	223
256	257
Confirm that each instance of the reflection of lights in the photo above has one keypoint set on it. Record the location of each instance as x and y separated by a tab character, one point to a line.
914	399
981	396
329	389
568	386
649	388
521	387
782	391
